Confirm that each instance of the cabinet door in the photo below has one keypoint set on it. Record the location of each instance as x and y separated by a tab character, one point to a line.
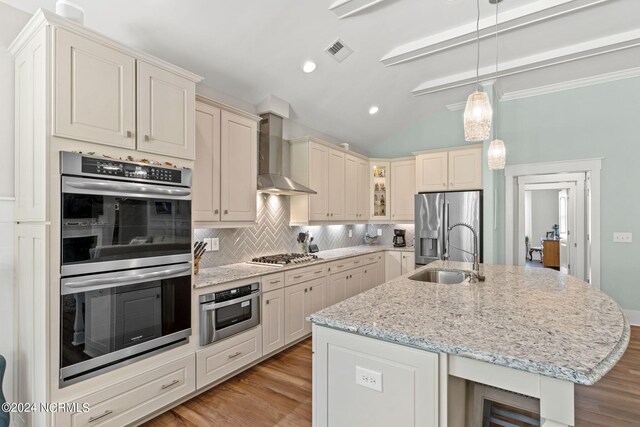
272	321
381	270
239	168
351	187
431	172
166	112
337	287
379	190
317	296
206	171
393	265
403	184
318	181
370	277
295	325
354	282
408	262
336	185
363	190
465	169
95	95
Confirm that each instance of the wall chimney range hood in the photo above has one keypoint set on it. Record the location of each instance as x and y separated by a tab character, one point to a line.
270	160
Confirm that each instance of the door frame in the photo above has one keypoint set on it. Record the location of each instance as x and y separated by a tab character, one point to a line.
590	167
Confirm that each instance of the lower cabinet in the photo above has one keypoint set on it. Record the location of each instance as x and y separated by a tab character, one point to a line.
300	301
360	381
345	284
128	401
272	321
398	263
408	262
222	358
370	277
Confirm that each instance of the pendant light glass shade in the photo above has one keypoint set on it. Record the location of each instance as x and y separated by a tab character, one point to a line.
477	117
497	155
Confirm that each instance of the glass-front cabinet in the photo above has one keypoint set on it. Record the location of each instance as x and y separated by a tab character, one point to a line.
381	185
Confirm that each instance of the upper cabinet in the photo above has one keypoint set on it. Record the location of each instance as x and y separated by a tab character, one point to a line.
339	178
380	187
95	92
403	189
225	170
453	170
106	94
166	110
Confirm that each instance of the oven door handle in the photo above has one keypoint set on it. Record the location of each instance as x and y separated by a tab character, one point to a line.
125	189
215	305
86	285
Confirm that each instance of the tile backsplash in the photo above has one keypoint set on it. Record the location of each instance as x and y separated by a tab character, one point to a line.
274	235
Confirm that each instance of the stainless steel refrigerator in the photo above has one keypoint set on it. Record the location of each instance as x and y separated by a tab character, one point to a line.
434	213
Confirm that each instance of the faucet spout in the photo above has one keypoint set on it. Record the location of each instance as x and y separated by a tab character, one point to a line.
476	256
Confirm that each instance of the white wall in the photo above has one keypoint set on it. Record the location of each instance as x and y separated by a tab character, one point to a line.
11	22
544	213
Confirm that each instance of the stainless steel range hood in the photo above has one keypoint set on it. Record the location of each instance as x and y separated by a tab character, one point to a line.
270	160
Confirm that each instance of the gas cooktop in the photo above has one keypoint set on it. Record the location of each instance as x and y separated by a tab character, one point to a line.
280	260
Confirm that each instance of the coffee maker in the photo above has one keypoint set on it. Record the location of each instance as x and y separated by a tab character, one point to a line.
398	238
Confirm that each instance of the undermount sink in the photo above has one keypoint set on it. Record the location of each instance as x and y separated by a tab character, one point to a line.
446	277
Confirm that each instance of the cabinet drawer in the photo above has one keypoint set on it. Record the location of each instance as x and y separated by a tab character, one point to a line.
220	359
300	275
130	400
272	281
371	258
346	264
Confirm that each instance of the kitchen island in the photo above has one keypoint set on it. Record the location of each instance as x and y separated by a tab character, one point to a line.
404	346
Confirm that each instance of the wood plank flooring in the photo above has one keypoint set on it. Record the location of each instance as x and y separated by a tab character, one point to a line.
277	392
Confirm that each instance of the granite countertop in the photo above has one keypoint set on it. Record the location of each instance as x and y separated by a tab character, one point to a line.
535	320
232	272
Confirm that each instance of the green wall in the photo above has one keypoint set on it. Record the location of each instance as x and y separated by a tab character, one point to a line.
600	121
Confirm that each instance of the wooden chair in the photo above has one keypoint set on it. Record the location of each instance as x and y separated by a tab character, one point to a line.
4	416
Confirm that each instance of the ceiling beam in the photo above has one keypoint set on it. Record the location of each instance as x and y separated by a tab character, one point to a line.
508	20
562	55
345	8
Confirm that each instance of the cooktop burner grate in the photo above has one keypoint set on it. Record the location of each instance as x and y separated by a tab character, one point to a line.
284	259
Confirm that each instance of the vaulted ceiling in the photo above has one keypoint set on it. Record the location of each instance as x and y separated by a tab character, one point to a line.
411	57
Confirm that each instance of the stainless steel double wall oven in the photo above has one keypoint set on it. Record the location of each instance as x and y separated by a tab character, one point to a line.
125	263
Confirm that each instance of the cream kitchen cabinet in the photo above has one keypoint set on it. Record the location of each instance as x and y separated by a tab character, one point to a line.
272	321
337	183
345	284
379	189
373	271
300	301
363	188
99	98
398	263
351	187
452	170
403	190
225	171
408	262
319	182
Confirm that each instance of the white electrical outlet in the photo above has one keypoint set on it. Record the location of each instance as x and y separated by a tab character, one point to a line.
369	379
622	237
379	231
350	233
208	242
215	244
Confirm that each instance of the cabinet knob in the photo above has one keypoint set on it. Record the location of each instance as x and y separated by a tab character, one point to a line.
216	211
267	302
327	213
226	211
146	138
311	289
331	214
444	184
305	290
129	134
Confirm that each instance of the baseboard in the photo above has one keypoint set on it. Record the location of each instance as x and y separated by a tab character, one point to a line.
633	316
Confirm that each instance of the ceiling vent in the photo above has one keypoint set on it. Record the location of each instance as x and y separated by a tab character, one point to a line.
339	50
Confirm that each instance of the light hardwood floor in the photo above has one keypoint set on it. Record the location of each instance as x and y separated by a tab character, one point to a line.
277	392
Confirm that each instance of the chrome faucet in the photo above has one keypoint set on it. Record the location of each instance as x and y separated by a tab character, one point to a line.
476	256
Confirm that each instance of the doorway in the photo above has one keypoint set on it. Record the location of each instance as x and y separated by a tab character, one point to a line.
577	185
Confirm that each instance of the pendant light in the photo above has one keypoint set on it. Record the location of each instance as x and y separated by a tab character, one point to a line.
477	113
497	155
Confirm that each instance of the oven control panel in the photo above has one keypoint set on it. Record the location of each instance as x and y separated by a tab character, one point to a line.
118	168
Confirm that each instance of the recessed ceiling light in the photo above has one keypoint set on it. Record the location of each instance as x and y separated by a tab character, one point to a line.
309	67
373	110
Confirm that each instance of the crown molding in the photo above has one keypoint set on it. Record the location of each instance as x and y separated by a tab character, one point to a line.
542	60
532	13
572	84
458	106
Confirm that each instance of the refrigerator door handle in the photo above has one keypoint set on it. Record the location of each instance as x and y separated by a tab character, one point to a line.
446	231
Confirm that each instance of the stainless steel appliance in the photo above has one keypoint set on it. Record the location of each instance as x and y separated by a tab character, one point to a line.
118	215
229	312
280	260
119	317
435	213
125	263
399	238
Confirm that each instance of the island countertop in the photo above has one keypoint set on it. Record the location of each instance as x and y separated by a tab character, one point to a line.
536	320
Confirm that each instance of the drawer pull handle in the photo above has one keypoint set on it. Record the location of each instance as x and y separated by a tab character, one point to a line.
317	272
297	277
273	282
105	414
171	384
356	262
236	354
341	265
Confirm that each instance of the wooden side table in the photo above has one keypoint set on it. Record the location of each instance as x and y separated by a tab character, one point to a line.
551	253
